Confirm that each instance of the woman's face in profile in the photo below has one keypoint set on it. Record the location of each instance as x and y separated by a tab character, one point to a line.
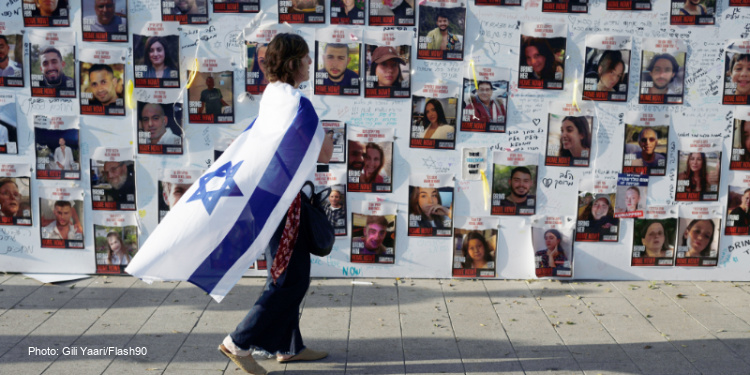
600	208
428	197
156	54
551	241
695	162
569	135
431	113
741	77
476	250
114	244
372	161
261	56
654	239
631	200
699	235
387	72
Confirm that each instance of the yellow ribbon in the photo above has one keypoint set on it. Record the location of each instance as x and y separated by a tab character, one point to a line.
486	190
129	95
192	74
474	73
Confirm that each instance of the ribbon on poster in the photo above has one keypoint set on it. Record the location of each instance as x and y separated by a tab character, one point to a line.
226	219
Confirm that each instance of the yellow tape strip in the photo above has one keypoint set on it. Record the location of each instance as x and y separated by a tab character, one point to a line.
129	95
192	74
474	73
486	190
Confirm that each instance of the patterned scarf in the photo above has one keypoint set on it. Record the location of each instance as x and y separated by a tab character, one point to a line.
288	239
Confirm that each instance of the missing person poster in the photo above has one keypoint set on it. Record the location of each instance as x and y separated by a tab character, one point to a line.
475	246
570	129
431	205
211	93
348	12
186	12
698	233
740	159
632	194
159	122
61	217
104	21
565	6
485	99
692	12
442	26
434	116
236	6
156	55
58	154
172	184
302	11
115	241
37	13
374	233
337	130
738	206
102	82
629	4
11	52
654	237
607	69
737	72
256	45
514	183
113	179
552	239
337	61
52	56
596	213
698	169
391	13
370	161
388	69
542	56
663	63
645	144
330	190
15	195
8	124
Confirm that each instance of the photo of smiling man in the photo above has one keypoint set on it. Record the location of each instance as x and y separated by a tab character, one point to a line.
46	13
374	233
11	59
52	63
514	183
102	83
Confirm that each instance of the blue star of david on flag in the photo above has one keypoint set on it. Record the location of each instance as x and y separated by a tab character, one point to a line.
228	188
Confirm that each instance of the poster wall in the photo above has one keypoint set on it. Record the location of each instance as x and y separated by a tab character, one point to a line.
519	113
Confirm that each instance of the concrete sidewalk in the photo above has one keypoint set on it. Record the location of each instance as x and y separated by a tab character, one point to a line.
389	327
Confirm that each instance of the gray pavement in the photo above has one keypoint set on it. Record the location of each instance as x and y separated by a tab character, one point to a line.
407	326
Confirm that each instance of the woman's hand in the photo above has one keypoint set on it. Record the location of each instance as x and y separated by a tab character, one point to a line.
438	210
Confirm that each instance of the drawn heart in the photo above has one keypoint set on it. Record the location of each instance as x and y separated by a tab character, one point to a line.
547	182
495	47
536	121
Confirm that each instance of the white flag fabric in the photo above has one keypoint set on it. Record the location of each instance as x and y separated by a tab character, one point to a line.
226	219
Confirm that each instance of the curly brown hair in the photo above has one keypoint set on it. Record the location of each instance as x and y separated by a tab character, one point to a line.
284	57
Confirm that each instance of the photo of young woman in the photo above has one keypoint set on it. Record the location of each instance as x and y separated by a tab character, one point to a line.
653	242
155	61
698	236
474	247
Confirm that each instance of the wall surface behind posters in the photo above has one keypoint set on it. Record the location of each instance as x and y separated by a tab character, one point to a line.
488	39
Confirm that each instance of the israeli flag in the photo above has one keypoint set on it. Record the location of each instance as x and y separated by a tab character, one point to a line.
226	219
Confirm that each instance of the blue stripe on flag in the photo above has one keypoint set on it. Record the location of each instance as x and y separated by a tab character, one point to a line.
263	200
